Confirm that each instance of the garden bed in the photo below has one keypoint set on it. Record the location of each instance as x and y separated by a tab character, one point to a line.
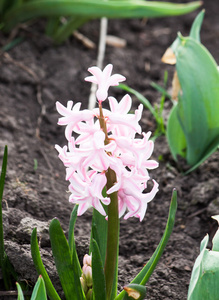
34	75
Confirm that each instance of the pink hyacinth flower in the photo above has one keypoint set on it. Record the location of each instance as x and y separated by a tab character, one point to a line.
87	192
104	80
102	140
72	116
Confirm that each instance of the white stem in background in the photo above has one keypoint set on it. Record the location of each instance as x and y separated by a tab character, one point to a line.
100	58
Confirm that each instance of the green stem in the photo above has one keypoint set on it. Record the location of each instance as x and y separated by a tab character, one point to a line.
112	236
111	265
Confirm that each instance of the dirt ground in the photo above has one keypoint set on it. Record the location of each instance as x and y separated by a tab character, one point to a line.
33	76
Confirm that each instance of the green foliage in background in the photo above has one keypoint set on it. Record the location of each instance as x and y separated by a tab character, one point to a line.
193	124
205	273
78	12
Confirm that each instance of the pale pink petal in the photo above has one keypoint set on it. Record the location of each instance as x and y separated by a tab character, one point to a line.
116	79
82	208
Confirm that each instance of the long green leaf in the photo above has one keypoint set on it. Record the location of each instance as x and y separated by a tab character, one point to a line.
52	26
95	9
146	272
71	240
99	232
40	267
66	267
99	284
66	30
2	182
6	266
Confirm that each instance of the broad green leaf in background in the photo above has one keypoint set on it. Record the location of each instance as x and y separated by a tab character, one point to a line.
66	266
77	12
175	135
148	269
215	240
198	106
205	273
197	268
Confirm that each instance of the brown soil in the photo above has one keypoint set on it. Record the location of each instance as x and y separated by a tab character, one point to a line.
34	75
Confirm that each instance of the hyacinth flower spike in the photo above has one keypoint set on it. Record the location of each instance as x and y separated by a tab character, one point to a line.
106	154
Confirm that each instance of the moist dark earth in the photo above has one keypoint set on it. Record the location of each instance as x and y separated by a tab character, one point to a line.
34	75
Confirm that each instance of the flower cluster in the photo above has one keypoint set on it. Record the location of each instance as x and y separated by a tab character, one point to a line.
106	139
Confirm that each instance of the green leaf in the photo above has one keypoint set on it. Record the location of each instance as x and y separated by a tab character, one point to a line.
64	31
205	274
40	267
2	182
198	106
6	266
175	135
39	291
210	150
197	268
99	232
12	44
71	240
160	89
20	292
99	284
135	291
196	26
66	265
148	269
215	240
95	9
52	26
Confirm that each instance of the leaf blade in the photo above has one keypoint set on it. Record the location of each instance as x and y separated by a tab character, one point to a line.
99	283
66	266
40	267
95	9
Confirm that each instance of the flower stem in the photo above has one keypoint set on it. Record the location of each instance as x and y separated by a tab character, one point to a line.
111	265
112	236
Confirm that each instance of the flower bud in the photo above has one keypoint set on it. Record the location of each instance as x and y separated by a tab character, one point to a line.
87	274
84	285
87	260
